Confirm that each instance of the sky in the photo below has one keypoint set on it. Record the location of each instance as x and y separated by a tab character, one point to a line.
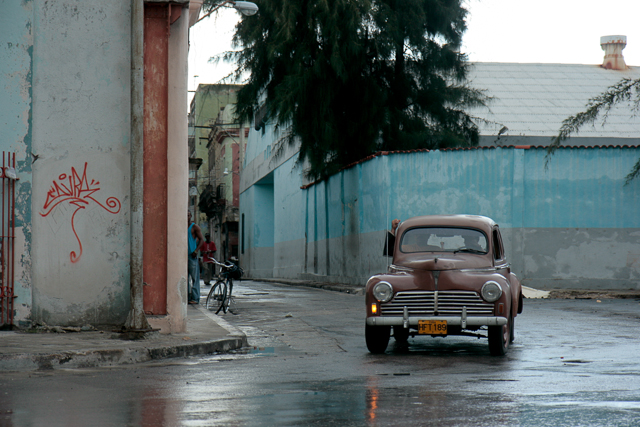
541	31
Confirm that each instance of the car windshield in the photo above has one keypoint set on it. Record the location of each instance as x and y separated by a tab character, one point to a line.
443	239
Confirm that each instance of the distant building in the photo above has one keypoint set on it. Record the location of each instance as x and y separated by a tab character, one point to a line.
221	201
530	101
571	223
207	103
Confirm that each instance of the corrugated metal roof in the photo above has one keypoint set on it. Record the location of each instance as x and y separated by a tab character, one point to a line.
534	99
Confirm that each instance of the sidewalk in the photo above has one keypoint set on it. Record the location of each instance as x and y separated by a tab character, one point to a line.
206	333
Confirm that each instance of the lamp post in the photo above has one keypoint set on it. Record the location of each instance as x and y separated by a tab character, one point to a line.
247	8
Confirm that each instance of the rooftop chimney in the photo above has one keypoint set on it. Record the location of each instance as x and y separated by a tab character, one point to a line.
612	46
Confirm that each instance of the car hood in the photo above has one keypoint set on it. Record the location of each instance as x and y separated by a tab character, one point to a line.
443	262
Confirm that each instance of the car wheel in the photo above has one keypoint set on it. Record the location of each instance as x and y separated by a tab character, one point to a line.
400	334
377	338
499	338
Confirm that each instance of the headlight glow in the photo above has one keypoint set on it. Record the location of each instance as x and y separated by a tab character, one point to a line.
491	291
383	291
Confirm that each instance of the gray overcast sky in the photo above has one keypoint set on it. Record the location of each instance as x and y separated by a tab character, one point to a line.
546	31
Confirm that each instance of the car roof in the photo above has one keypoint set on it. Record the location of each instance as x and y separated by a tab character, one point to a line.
472	221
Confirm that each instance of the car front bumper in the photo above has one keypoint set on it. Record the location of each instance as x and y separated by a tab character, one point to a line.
451	320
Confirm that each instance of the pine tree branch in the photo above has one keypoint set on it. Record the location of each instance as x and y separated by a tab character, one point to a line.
626	90
635	172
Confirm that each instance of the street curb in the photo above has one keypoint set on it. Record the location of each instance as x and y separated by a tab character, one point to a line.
113	357
232	331
126	355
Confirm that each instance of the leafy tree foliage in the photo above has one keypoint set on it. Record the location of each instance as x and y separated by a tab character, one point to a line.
348	78
626	90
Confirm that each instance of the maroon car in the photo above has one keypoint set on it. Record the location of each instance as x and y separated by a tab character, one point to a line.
449	276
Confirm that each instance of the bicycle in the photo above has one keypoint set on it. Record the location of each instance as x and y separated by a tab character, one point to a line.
220	295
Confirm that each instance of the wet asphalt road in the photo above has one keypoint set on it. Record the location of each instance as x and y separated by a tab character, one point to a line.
574	363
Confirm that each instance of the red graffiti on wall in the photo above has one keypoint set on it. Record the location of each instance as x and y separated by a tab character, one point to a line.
78	192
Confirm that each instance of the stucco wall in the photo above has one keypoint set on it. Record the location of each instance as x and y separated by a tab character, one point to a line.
81	76
16	50
572	224
68	79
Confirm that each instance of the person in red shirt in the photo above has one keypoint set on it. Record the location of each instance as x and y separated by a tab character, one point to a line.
208	251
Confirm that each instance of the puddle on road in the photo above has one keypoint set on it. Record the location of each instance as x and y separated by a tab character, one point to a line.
256	350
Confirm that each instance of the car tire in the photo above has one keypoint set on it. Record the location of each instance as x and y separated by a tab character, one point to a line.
500	337
377	338
512	334
400	334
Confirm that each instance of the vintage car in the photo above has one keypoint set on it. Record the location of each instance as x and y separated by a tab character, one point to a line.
449	276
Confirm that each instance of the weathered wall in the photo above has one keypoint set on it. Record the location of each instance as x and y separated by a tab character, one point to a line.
573	224
256	243
81	178
177	152
65	111
68	79
16	51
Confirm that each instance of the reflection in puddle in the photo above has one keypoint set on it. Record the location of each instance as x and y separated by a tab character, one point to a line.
261	350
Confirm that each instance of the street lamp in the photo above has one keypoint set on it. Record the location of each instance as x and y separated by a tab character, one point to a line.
227	172
247	8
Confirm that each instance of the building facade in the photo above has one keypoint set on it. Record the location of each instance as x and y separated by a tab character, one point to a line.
94	113
208	102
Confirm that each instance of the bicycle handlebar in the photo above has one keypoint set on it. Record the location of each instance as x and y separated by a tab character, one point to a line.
215	261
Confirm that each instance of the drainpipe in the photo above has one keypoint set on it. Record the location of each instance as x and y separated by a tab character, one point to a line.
136	320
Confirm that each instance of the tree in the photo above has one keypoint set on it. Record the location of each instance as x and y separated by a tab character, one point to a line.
626	90
348	78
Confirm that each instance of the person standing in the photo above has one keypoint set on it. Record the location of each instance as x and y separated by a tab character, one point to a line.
195	241
208	252
390	240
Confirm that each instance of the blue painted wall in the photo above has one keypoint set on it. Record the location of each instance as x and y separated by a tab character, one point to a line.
581	187
264	223
558	220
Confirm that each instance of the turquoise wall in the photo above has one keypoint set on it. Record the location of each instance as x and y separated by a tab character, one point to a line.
558	220
288	201
264	224
581	187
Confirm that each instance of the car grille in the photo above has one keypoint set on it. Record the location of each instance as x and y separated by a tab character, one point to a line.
421	303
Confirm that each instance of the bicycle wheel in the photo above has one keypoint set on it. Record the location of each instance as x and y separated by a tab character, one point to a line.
221	297
216	296
212	297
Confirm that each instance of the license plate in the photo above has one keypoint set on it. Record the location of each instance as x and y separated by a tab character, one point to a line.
432	327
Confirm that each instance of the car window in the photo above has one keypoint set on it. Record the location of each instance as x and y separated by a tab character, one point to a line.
443	239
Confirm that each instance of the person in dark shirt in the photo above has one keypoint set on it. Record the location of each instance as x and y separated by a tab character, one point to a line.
208	251
390	240
194	241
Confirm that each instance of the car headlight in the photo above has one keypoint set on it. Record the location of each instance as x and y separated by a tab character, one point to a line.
491	291
383	291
